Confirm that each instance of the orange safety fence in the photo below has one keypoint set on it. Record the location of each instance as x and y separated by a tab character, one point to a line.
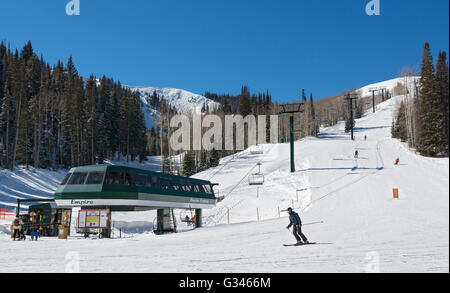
6	215
396	194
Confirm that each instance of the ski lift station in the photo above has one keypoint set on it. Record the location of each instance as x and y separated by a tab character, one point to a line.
93	190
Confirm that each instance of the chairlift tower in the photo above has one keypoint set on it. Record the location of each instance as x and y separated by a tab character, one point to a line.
256	178
291	109
373	90
350	98
383	91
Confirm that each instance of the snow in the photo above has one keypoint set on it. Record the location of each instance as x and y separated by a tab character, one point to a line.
184	101
388	85
27	184
358	224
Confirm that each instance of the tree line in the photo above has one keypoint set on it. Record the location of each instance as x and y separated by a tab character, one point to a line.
422	118
51	117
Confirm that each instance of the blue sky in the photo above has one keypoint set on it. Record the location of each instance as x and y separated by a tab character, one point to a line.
324	46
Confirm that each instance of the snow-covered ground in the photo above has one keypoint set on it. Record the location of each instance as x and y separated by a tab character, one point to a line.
29	184
361	227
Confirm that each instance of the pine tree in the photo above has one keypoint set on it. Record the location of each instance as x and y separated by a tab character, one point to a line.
244	102
399	124
442	83
428	113
112	116
203	164
165	165
6	124
92	118
189	167
214	158
19	92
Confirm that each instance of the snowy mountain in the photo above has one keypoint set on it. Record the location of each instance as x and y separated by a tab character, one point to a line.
185	102
389	85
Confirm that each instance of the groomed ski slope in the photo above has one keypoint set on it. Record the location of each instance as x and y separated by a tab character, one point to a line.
362	223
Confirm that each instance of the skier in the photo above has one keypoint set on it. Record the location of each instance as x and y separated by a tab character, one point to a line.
365	137
34	231
297	230
17	228
356	154
397	161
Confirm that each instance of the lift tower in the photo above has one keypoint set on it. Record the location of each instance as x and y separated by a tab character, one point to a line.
350	98
291	109
373	90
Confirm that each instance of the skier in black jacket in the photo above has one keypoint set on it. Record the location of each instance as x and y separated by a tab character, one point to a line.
296	222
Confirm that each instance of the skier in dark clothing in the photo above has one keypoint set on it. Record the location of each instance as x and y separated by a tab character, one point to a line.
34	231
296	222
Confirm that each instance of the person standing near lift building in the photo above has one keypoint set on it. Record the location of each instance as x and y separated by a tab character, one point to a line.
296	222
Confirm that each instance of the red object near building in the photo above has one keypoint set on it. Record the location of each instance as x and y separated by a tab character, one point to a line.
6	215
396	194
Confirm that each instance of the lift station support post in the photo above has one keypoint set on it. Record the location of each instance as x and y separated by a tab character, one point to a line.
295	108
291	128
198	218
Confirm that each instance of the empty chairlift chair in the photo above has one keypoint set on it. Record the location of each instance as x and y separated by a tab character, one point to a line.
257	150
256	178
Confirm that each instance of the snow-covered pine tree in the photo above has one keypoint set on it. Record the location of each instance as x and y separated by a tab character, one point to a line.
442	83
429	119
189	167
203	163
6	124
214	158
399	124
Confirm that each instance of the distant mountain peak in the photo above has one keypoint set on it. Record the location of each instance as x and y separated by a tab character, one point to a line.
184	101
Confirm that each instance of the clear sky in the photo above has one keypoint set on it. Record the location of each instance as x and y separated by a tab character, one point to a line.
324	46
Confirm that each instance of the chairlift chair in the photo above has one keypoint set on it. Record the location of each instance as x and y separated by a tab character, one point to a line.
186	218
256	178
257	150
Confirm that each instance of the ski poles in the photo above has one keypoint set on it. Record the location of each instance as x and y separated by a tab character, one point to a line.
309	224
313	223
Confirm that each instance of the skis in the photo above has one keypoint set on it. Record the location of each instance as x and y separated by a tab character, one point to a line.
289	245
